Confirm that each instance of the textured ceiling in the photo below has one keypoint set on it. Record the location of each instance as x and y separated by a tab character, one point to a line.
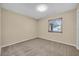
29	9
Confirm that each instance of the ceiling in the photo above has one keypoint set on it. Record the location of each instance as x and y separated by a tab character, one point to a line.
29	9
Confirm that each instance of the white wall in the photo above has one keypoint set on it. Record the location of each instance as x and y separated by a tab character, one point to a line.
77	28
68	35
0	31
17	28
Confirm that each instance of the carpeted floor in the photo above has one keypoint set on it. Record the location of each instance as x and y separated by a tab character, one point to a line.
39	47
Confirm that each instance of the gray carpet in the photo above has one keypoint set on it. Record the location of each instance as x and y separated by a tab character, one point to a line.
39	47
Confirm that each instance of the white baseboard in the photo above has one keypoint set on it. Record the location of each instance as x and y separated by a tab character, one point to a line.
17	42
77	48
60	42
40	38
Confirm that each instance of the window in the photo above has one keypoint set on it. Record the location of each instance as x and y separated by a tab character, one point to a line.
55	25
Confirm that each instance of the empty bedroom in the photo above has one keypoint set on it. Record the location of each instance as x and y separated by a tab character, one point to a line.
39	29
